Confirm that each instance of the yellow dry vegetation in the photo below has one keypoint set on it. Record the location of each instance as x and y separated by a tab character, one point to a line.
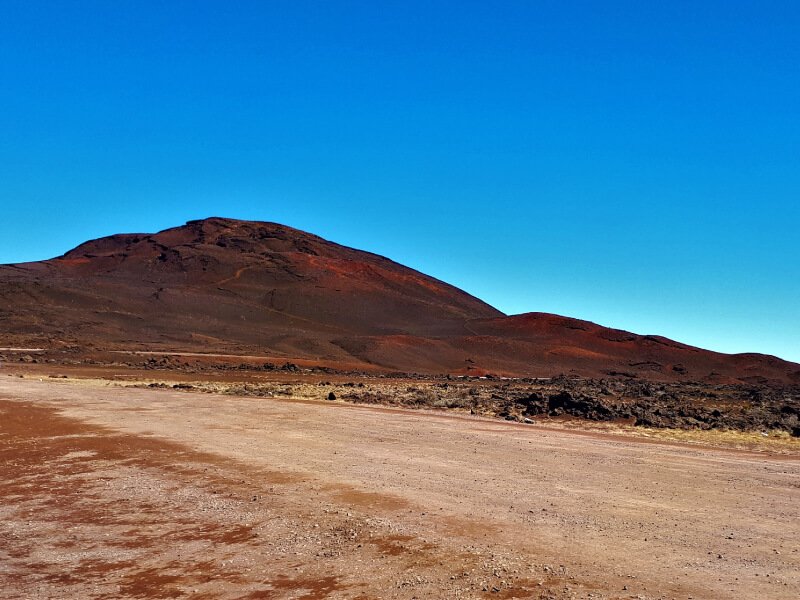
759	441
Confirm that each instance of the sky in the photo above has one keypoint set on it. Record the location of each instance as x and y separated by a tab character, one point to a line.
635	164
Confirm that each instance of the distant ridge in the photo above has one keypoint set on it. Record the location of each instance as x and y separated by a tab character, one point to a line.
224	285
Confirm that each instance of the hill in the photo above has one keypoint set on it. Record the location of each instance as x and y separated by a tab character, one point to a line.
239	287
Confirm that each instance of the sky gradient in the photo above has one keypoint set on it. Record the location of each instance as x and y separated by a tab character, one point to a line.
629	163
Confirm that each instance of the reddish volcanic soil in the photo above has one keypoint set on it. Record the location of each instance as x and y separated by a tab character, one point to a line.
247	288
108	492
542	341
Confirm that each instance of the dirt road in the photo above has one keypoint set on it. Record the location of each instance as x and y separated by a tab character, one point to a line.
107	492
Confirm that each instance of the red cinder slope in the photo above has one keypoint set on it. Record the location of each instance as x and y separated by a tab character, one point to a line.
548	343
226	285
221	285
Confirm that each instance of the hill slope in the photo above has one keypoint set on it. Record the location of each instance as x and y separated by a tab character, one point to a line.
221	285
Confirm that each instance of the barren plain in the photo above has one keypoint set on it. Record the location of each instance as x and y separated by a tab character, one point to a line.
112	492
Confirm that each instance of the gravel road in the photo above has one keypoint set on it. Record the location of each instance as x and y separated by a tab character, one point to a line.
110	492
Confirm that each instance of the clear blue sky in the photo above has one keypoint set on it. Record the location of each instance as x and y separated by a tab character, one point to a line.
631	163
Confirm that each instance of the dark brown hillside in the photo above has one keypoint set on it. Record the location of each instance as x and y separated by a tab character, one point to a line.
239	287
225	285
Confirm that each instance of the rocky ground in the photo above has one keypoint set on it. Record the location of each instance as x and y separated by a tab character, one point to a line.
676	405
745	407
757	406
